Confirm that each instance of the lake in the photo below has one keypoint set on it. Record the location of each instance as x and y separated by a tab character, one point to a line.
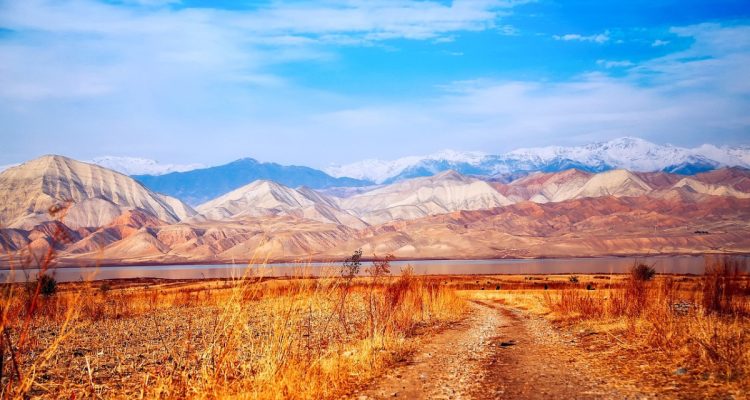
662	264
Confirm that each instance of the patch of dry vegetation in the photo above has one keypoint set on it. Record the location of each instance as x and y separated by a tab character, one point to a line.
685	334
249	338
695	326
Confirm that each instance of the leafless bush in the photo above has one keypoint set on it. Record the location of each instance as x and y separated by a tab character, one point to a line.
642	272
722	287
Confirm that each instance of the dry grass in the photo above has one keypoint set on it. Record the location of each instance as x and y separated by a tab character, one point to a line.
666	331
248	337
700	323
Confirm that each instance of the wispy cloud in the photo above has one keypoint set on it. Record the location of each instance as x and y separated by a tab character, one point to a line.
659	43
597	38
614	64
86	48
508	30
716	62
681	97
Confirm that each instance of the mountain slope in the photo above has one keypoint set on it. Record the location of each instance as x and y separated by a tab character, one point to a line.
634	154
97	195
710	189
415	198
266	198
618	183
737	178
546	187
200	185
585	227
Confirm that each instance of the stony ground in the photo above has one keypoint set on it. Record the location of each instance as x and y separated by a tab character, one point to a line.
502	352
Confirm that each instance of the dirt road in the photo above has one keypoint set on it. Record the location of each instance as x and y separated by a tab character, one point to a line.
496	352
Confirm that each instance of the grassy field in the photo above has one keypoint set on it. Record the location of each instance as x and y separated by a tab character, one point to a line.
253	338
324	337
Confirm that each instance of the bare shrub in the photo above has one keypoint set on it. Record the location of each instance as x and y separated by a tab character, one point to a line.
721	284
642	272
47	285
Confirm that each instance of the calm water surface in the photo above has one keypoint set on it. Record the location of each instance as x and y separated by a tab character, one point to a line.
663	264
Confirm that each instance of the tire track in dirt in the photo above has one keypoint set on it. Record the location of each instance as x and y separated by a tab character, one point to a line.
446	366
530	360
496	352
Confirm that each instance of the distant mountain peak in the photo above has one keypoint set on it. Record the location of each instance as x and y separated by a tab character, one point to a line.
200	185
245	160
628	142
627	152
141	166
453	155
449	174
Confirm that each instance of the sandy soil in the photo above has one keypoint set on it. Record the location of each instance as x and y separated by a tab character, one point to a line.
497	352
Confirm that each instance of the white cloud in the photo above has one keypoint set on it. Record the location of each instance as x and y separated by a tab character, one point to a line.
614	64
152	3
508	30
685	97
597	38
659	43
716	62
74	49
377	19
389	18
445	39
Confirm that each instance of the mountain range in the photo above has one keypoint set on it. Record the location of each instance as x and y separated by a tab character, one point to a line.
200	185
114	219
624	153
195	184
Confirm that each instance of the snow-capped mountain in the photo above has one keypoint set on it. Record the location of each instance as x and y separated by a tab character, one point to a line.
382	171
624	153
141	166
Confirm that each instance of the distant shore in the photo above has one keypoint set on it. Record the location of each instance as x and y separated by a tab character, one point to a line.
320	261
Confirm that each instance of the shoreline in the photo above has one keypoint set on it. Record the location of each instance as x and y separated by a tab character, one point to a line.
282	262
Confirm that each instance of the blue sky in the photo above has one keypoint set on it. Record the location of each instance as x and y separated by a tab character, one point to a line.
336	81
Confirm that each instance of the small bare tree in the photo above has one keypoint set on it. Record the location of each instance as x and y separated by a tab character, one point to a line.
349	271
